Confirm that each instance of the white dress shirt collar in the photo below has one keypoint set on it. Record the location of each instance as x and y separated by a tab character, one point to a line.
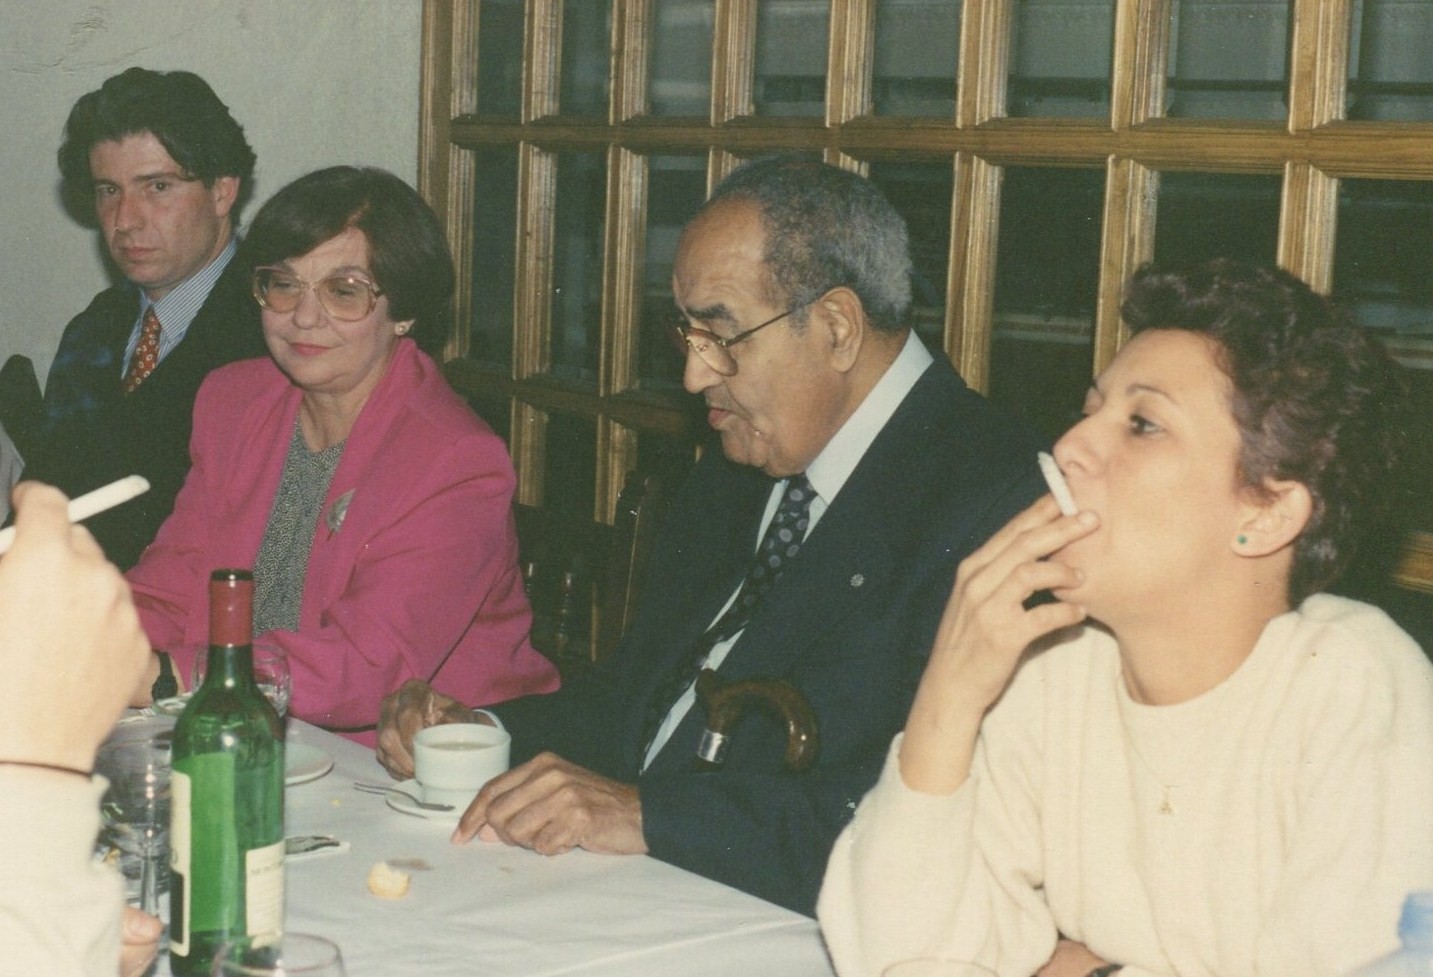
830	469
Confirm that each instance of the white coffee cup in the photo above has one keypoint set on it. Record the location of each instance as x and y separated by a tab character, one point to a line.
451	762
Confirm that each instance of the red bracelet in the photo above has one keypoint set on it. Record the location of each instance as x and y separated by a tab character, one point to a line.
58	768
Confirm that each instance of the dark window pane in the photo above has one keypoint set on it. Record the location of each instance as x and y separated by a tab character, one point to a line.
917	43
1391	61
676	187
681	70
791	38
1385	238
668	458
1210	215
1228	59
586	43
1047	281
571	465
499	57
922	193
577	264
1060	58
494	255
497	412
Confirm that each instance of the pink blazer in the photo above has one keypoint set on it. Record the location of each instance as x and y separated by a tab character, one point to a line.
418	580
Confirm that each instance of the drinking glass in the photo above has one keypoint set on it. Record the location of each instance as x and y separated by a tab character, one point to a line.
135	808
279	955
271	672
936	968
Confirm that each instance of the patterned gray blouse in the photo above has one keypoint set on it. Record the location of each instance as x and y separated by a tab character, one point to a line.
282	563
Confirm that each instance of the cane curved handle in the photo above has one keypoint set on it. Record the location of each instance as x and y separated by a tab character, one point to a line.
726	701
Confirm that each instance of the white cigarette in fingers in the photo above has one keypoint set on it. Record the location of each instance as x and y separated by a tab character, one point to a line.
92	503
1058	487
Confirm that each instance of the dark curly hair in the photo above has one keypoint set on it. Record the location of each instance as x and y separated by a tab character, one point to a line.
406	242
178	108
1316	398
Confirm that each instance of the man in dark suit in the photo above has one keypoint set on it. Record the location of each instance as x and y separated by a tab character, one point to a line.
160	164
793	284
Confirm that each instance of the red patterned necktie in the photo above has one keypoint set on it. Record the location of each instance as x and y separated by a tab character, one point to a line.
146	352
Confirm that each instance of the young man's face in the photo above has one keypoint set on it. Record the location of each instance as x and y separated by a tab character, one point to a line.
161	225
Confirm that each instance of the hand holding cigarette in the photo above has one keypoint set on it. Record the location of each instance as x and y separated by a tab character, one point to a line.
92	503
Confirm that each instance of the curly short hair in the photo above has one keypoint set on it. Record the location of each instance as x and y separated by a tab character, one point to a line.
178	108
1316	398
406	242
825	227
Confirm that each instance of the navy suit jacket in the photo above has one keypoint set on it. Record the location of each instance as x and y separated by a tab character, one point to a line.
93	432
850	624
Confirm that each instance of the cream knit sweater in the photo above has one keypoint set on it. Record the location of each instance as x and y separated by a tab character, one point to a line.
1271	826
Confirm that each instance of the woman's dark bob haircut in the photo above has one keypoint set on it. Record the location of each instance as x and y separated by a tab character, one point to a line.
407	250
1316	398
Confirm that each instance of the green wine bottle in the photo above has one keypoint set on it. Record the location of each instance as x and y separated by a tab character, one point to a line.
227	828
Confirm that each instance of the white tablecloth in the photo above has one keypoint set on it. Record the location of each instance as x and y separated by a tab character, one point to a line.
487	909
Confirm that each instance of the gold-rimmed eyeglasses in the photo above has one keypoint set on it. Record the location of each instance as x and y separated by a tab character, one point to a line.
715	351
345	297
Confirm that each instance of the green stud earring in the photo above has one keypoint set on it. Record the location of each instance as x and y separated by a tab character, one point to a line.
1242	539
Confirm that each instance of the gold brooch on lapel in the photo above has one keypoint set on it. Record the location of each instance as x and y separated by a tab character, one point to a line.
334	519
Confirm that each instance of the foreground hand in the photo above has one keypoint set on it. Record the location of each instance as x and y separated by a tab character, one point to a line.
71	649
139	942
414	707
553	806
1070	959
983	633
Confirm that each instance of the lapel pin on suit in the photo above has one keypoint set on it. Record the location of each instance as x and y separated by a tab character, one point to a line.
336	512
857	579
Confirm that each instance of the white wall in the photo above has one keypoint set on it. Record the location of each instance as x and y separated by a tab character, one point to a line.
313	82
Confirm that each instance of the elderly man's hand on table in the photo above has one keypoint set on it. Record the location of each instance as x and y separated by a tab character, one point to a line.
414	707
553	806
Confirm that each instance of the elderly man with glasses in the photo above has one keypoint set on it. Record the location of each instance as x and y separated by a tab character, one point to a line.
816	548
161	167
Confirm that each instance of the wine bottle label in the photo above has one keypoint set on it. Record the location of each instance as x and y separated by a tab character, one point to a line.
180	790
264	889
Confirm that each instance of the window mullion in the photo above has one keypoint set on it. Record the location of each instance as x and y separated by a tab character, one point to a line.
542	60
733	60
1308	221
630	59
1127	241
984	68
850	61
1318	61
970	293
1141	61
532	310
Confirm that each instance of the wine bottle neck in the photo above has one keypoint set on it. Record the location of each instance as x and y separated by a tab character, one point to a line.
230	665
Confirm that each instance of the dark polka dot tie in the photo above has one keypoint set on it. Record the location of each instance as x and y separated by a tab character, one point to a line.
146	353
780	544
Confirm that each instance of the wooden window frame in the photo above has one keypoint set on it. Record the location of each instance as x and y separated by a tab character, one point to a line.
1311	153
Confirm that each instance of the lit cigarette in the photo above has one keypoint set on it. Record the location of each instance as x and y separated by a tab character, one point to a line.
1058	487
92	503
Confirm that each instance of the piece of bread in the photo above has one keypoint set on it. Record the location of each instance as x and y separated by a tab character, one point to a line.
387	882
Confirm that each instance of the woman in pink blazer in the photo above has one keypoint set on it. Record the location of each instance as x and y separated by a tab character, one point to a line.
373	505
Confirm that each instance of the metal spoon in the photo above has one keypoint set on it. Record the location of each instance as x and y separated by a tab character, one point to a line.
381	789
